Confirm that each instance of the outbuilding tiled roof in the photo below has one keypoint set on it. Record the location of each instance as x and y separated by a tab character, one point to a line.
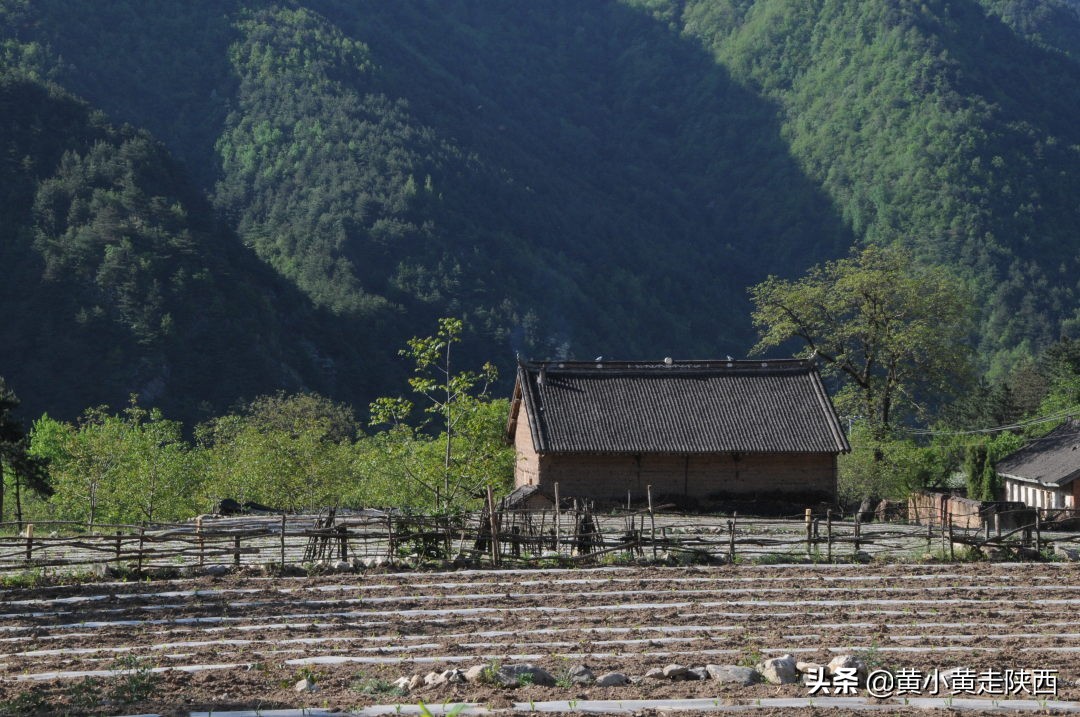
683	407
1053	459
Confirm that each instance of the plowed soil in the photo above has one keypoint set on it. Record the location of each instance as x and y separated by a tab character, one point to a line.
243	641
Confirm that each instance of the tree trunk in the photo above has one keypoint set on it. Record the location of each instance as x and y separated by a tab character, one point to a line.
18	501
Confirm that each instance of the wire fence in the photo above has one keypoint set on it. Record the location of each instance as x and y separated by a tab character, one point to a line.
577	535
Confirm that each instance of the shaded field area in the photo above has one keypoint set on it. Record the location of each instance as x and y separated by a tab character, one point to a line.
242	641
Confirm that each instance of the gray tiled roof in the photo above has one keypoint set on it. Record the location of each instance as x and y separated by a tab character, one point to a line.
1053	459
682	407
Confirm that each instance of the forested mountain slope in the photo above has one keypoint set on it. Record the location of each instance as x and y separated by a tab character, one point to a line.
573	178
118	280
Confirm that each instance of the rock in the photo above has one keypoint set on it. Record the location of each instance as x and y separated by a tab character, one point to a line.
415	681
779	670
454	677
342	566
523	674
612	679
733	674
580	675
475	673
433	679
306	685
863	557
216	570
808	667
847	661
402	684
655	673
697	673
676	672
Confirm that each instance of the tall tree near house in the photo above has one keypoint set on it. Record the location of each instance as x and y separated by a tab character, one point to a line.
895	331
459	419
24	470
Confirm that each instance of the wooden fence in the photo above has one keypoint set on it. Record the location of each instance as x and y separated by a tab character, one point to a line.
524	537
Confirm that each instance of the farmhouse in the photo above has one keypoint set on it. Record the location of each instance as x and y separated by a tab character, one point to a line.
693	430
1044	473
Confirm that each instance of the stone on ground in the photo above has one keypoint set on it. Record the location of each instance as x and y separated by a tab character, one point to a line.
475	673
676	672
580	675
732	674
305	685
612	679
779	670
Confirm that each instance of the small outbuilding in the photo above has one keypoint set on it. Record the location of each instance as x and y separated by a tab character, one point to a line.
699	431
1044	473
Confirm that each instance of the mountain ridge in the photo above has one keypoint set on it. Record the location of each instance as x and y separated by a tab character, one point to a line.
579	179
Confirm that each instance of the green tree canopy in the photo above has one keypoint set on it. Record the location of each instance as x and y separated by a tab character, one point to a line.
456	447
16	462
894	331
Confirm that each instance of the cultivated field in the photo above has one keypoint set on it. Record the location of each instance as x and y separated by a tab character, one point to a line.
242	642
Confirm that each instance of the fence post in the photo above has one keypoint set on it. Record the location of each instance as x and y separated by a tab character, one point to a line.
652	520
236	551
142	537
1038	530
997	523
118	534
828	528
283	542
558	522
29	542
809	529
343	542
198	539
952	545
494	527
858	531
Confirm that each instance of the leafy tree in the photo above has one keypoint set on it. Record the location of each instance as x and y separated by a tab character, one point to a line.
894	332
888	469
131	467
292	452
17	464
456	446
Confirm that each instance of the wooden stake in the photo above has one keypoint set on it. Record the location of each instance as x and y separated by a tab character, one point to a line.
29	542
828	528
198	539
494	527
236	551
142	538
282	542
652	519
558	522
809	528
858	531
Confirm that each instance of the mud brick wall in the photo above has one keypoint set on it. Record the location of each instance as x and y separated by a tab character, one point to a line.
927	508
611	477
966	513
527	465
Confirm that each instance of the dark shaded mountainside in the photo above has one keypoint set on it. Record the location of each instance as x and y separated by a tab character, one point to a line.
278	194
